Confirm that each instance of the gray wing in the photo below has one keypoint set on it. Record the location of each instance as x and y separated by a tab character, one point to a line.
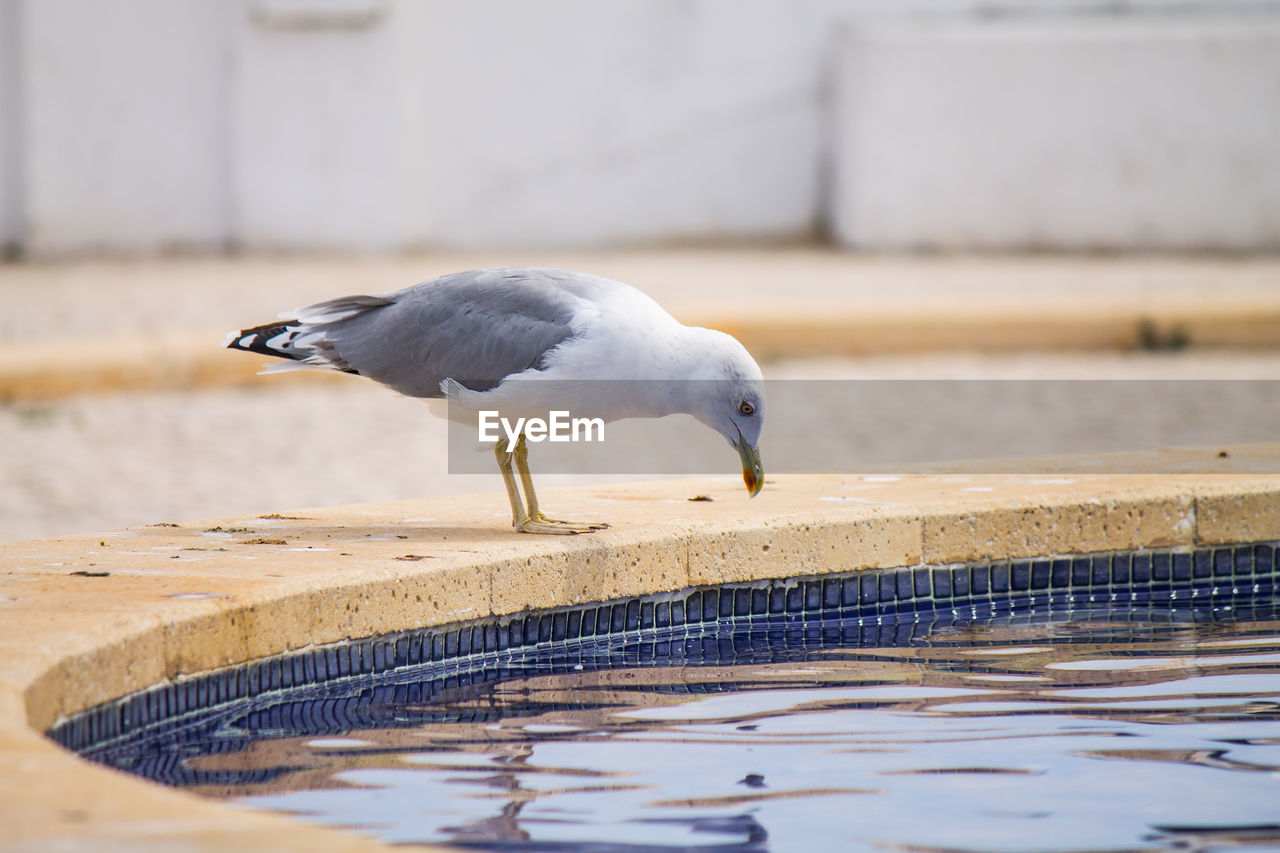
473	327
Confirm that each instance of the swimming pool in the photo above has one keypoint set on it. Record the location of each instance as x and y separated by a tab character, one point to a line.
1101	701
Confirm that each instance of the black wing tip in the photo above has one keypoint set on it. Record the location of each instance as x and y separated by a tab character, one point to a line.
255	339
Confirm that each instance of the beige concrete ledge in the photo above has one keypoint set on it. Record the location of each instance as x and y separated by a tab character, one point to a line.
87	619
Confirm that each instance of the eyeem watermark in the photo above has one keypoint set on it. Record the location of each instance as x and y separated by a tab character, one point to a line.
558	426
890	427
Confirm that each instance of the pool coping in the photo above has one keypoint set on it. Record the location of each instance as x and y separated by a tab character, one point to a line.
179	599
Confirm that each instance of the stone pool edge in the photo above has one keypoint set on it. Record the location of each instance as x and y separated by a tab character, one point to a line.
182	599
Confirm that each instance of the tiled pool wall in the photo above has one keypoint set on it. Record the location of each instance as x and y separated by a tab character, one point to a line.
879	606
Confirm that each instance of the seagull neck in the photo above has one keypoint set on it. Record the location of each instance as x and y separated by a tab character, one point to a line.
691	366
660	378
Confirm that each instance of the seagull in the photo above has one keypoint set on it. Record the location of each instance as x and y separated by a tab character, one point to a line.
479	340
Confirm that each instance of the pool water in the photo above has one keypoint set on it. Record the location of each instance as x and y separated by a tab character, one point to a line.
1085	729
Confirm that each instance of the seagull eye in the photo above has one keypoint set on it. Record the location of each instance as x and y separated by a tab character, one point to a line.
746	408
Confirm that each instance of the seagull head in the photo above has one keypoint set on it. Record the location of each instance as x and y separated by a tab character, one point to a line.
744	407
730	400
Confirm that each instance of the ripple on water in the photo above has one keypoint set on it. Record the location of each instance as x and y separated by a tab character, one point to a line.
1064	734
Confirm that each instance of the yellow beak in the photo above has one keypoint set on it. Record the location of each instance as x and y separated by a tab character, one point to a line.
752	470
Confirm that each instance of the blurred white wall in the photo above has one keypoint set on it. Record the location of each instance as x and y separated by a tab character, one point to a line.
123	124
324	101
144	125
1153	132
628	121
10	168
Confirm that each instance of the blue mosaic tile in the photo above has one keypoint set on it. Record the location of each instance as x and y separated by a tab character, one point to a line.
888	588
693	607
1223	563
1264	559
869	592
776	597
1000	574
415	646
253	673
1202	564
1040	574
711	605
759	602
1020	576
1159	564
1121	569
831	594
1100	572
349	659
289	674
905	586
795	599
941	584
980	579
275	680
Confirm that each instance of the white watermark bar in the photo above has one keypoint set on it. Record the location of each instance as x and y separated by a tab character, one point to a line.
902	426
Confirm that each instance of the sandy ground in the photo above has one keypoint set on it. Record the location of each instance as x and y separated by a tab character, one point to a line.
99	462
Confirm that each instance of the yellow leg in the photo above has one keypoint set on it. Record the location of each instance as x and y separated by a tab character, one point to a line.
518	515
521	520
521	456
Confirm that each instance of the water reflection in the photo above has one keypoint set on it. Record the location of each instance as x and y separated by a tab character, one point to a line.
1076	733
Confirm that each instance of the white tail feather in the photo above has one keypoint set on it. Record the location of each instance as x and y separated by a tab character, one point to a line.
289	366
